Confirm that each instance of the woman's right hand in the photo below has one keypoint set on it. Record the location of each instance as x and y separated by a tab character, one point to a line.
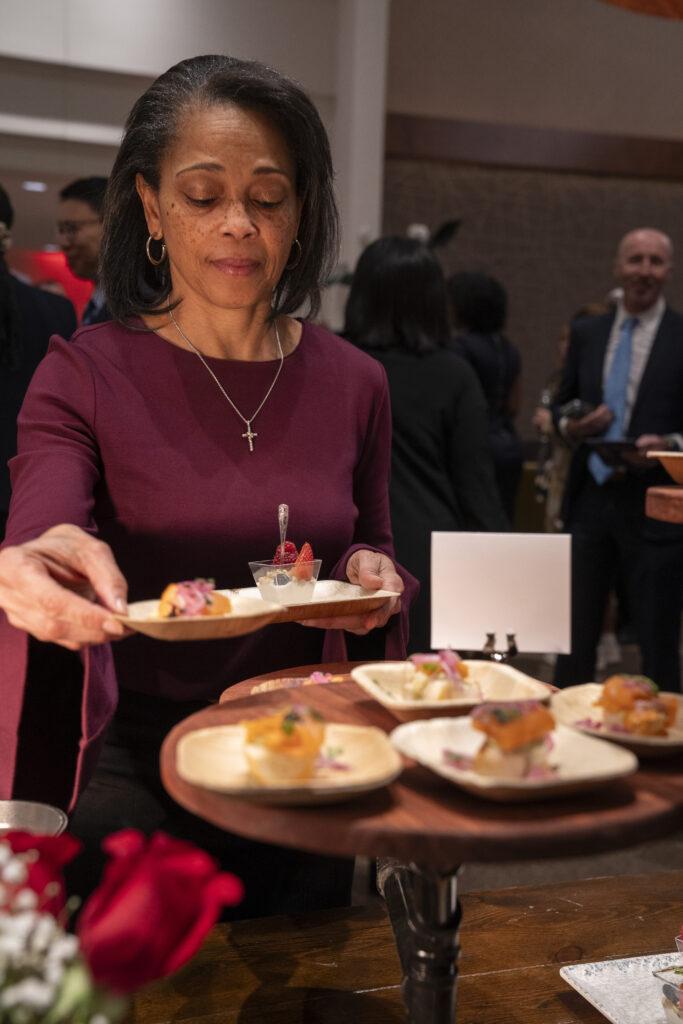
49	587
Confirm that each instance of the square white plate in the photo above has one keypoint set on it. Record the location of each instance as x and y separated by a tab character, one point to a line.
385	680
575	706
214	759
624	991
582	762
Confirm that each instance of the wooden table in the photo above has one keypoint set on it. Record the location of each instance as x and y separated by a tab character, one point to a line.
339	967
428	827
665	504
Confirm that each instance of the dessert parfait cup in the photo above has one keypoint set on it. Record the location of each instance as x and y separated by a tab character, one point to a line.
289	584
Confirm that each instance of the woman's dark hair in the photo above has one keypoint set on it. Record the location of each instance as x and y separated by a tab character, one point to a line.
9	310
397	298
479	302
132	285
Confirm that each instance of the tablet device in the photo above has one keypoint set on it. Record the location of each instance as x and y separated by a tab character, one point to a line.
613	453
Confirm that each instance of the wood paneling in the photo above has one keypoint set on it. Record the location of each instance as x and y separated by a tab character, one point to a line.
660	8
504	145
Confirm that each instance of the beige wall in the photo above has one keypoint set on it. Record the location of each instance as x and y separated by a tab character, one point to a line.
71	69
578	64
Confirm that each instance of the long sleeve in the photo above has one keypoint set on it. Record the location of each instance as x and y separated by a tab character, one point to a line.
57	450
54	477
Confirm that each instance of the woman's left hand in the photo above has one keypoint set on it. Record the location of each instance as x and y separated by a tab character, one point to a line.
373	571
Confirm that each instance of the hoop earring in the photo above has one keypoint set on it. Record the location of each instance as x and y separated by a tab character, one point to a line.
148	250
291	266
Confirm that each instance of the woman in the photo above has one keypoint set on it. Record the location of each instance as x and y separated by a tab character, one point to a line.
169	438
442	475
479	307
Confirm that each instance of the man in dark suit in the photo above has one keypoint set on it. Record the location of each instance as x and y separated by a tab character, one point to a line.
28	316
79	230
626	368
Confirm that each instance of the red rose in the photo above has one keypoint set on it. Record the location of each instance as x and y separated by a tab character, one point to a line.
45	872
157	900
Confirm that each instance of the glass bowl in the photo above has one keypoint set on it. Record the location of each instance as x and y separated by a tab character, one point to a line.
28	816
286	584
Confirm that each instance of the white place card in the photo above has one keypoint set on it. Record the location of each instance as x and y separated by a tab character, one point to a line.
501	583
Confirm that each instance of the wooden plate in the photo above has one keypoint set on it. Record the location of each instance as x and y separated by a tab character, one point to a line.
576	704
214	759
248	614
384	681
582	762
331	599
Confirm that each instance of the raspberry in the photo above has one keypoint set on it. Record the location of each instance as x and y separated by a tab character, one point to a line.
286	557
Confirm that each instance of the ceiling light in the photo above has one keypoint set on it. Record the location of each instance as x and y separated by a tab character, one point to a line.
34	186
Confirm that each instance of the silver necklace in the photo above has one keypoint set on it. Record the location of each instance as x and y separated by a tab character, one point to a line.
247	420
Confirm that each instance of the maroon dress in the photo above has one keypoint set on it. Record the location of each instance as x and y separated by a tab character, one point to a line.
128	436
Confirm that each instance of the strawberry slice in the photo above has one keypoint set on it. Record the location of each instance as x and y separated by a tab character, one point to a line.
286	557
303	567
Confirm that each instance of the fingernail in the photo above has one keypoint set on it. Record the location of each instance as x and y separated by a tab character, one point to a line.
120	606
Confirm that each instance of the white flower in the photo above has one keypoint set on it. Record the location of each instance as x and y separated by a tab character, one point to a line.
14	872
29	992
64	947
6	853
44	932
26	899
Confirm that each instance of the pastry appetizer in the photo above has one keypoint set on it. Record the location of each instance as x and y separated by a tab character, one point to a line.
284	746
518	740
192	597
634	704
438	676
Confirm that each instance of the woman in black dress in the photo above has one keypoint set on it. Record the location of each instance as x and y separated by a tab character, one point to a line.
479	306
442	472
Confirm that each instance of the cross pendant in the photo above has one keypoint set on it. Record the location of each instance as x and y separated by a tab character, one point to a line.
250	435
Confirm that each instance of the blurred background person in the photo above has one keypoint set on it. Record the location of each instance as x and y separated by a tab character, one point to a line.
28	316
442	472
479	310
79	230
554	451
625	368
553	461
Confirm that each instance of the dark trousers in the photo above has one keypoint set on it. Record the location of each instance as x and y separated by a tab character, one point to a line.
659	580
611	538
126	792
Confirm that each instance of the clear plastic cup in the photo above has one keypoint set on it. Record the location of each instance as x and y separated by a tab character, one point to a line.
293	583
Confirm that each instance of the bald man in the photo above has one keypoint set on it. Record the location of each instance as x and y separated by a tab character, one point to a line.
626	368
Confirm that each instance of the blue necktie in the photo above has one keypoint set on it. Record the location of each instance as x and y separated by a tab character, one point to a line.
615	390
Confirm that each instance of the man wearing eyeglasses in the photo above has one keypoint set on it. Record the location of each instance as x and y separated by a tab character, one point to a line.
79	230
